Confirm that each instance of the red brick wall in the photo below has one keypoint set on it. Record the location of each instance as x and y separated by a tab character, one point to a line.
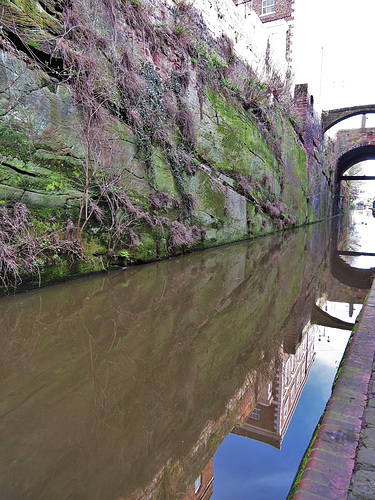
301	104
283	10
267	418
206	489
352	139
312	137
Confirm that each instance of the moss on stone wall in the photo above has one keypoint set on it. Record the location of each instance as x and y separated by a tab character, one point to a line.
148	142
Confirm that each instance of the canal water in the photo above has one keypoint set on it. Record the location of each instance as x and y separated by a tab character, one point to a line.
177	379
262	469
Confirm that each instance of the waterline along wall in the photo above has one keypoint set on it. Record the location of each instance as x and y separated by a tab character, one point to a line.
131	131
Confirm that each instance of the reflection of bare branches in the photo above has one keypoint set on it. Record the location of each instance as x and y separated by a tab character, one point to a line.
128	359
114	335
355	187
352	242
35	344
162	295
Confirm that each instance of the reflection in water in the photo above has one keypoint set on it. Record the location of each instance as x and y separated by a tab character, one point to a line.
202	488
270	419
124	386
255	470
358	248
248	468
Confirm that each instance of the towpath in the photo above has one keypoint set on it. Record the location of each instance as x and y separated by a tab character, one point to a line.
341	459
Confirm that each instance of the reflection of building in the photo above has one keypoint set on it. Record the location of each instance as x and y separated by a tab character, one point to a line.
203	487
271	417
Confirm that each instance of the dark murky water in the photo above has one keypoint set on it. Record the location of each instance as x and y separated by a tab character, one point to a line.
124	386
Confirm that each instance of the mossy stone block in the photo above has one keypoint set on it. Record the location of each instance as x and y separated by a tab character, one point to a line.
163	177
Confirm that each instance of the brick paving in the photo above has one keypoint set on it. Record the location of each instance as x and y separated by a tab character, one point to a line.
341	463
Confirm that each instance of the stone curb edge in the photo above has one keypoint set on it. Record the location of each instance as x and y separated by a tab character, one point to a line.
328	463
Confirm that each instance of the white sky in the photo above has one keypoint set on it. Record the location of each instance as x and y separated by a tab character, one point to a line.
361	238
330	348
333	51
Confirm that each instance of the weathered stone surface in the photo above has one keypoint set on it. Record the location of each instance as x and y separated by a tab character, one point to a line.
337	479
321	490
363	485
147	121
328	459
334	116
368	437
339	423
304	495
370	416
366	456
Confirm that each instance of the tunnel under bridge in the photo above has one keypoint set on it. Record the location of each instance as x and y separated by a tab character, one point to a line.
354	146
334	116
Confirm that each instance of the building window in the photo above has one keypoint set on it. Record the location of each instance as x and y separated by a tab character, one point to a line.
286	407
198	484
293	364
269	390
268	6
255	415
287	373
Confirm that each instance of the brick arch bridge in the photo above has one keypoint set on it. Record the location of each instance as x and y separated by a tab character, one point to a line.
334	116
354	146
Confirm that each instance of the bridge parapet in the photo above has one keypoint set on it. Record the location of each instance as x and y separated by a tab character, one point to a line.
354	146
347	140
334	116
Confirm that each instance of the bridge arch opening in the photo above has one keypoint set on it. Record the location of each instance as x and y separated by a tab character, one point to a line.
334	116
355	143
355	156
357	122
356	169
360	181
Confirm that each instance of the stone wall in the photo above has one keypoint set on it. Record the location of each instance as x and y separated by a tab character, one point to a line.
320	151
348	140
140	133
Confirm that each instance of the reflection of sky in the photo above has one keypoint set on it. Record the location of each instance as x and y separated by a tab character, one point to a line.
330	353
247	469
362	238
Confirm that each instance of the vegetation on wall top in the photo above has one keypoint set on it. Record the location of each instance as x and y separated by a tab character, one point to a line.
137	79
